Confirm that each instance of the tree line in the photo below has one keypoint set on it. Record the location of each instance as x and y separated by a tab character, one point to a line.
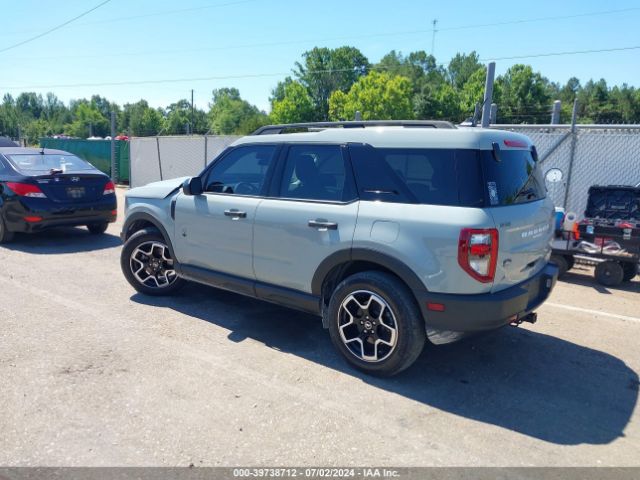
334	84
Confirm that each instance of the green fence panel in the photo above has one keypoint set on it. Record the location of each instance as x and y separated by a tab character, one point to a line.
96	152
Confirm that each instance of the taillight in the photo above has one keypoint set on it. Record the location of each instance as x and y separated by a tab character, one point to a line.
478	253
109	188
26	190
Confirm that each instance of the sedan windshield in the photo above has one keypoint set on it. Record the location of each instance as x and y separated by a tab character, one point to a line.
45	163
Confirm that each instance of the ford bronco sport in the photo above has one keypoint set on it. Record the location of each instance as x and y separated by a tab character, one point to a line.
392	232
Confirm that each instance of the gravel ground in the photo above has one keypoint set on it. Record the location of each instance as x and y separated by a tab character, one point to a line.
93	374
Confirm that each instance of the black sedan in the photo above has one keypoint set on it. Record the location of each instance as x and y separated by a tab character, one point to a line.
43	188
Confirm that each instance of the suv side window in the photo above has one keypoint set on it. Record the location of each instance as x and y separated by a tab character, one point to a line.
242	172
317	172
426	176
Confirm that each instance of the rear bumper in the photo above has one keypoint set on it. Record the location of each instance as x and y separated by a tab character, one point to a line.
15	215
474	313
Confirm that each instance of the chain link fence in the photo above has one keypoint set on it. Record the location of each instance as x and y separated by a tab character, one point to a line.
162	158
587	155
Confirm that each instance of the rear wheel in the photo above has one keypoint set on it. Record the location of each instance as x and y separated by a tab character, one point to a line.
630	271
609	273
98	228
147	264
5	235
375	324
562	263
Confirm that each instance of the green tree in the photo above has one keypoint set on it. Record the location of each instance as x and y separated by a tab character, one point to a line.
87	121
294	106
326	70
419	67
140	120
525	96
472	92
230	114
439	102
9	121
462	67
378	96
178	118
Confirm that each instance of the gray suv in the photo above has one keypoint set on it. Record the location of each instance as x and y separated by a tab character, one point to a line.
392	232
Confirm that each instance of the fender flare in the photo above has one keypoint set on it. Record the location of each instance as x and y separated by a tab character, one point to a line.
340	257
142	216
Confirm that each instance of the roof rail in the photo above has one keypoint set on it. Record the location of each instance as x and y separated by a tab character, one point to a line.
279	129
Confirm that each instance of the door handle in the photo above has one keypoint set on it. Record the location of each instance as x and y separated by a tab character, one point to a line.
323	225
233	213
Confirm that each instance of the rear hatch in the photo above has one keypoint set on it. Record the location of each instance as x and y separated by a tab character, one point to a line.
76	188
522	213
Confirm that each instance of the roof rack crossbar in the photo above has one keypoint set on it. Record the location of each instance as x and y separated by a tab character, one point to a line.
279	129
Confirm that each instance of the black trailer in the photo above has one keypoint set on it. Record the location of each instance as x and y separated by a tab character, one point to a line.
608	237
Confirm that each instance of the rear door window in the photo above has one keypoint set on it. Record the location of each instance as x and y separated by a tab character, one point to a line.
316	172
516	178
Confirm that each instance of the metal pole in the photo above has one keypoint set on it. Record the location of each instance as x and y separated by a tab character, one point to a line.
191	128
488	95
574	141
433	38
159	162
206	146
494	113
114	166
555	113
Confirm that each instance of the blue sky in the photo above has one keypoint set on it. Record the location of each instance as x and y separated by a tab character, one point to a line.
141	40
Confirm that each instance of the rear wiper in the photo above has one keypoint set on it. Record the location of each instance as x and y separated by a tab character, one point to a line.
55	171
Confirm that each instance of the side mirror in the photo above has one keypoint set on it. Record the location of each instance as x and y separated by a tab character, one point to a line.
192	186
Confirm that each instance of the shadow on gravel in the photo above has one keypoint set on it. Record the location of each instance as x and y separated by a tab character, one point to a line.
62	240
534	384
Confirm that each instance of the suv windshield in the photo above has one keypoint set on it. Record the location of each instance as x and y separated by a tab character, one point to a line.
37	162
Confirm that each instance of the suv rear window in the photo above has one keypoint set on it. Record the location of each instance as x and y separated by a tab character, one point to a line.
516	178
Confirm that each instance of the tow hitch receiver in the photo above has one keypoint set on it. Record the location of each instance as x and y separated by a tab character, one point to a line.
530	318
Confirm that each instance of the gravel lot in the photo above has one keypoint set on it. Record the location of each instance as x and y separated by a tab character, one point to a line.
93	374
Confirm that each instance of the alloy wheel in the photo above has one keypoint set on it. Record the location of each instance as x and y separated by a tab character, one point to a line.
367	326
152	265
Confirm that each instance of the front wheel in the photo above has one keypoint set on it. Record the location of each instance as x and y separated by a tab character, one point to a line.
147	264
375	324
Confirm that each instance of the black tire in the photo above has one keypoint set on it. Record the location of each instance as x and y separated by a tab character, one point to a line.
609	274
5	235
98	228
630	271
154	268
562	263
401	312
571	261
